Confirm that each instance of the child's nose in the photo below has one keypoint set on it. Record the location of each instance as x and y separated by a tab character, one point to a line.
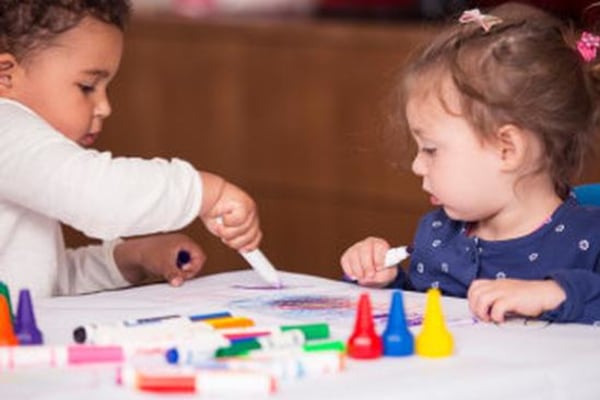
417	166
103	108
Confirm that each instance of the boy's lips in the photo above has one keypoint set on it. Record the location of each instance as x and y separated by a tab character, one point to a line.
88	139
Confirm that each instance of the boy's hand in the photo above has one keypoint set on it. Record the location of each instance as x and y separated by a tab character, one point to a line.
493	300
150	258
232	216
364	261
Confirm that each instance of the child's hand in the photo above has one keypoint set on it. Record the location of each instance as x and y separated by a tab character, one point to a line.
233	218
364	261
154	257
493	300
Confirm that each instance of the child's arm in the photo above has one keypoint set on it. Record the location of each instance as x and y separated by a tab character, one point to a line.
229	213
152	258
493	300
364	261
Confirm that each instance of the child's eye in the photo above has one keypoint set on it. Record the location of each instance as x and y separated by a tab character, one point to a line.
428	150
86	89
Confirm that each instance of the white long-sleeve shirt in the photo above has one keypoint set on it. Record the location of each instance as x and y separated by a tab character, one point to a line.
45	179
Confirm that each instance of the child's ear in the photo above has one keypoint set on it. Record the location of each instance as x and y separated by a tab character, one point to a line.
8	66
513	145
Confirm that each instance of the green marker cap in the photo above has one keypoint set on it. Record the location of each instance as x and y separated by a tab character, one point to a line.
310	331
238	348
324	345
6	293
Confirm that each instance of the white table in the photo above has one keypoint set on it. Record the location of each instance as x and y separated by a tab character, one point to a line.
516	360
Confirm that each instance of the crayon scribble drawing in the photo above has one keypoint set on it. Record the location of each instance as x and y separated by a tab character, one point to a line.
313	307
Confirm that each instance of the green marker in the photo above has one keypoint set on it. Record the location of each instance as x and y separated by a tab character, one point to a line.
6	293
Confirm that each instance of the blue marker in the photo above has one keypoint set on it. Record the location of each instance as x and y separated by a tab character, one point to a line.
397	339
183	257
82	334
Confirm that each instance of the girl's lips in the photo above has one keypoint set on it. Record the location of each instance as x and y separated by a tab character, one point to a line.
434	200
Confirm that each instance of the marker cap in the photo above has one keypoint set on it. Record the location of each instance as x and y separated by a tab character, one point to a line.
310	331
82	354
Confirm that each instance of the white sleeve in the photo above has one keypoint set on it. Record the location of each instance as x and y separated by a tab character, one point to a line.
102	196
90	269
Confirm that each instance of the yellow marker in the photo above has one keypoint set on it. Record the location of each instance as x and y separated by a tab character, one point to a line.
434	340
229	322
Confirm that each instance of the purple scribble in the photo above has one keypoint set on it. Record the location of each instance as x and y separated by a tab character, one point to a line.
260	287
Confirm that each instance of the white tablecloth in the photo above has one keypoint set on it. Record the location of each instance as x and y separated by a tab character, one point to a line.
515	360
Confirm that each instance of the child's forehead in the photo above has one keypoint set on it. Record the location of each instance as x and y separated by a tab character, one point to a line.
87	51
437	95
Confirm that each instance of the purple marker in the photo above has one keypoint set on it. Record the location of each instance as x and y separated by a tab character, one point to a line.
26	328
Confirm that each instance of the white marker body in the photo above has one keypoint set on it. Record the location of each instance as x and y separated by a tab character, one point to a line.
394	256
262	266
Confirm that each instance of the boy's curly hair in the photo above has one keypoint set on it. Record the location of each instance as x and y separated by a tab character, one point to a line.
26	25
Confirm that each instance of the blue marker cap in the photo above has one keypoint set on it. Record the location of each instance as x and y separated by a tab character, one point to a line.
397	338
172	356
183	257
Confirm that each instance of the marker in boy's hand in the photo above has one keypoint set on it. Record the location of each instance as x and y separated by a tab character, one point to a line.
183	258
172	257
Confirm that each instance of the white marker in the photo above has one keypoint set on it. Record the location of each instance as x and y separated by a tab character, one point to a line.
261	265
394	256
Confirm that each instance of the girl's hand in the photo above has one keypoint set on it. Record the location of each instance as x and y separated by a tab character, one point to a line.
493	300
364	260
233	217
152	258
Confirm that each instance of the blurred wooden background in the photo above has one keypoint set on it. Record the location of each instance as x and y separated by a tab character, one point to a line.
291	110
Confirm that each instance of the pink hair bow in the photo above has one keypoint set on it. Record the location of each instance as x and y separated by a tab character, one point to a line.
486	21
587	46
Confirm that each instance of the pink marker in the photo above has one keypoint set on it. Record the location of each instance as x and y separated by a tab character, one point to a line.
58	356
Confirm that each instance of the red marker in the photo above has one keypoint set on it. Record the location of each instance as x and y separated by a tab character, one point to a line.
364	341
207	382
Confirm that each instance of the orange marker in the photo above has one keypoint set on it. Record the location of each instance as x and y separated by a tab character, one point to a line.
7	335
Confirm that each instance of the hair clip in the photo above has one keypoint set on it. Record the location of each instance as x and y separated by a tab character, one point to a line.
587	46
486	21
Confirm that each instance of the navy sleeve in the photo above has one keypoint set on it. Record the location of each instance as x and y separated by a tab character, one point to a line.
582	304
401	281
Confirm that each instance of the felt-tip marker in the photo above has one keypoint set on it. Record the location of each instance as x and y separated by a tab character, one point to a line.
393	257
261	264
183	257
237	384
12	357
263	267
87	333
396	255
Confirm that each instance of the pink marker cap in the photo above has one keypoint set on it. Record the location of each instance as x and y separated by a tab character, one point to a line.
95	354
